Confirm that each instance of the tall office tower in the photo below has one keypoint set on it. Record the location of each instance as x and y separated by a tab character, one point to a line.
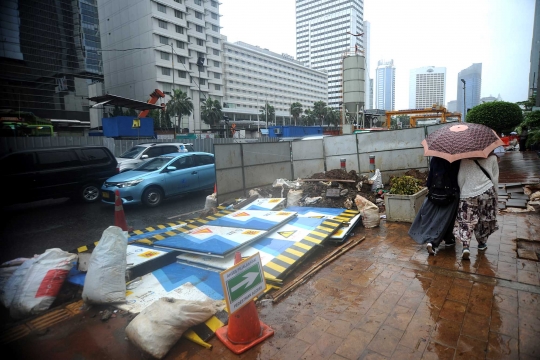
168	38
427	87
49	56
452	106
322	38
534	72
254	76
371	94
473	87
386	85
367	53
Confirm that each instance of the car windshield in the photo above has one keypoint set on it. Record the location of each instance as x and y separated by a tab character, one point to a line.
154	164
133	152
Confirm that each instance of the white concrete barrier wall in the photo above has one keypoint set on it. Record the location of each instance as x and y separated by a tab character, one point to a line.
308	158
338	147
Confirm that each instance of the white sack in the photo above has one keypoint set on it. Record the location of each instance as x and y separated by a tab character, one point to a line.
293	197
7	293
160	325
42	282
369	211
377	181
106	277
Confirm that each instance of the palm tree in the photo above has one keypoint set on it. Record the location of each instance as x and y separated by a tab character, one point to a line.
211	112
332	117
320	110
271	112
309	117
295	110
179	105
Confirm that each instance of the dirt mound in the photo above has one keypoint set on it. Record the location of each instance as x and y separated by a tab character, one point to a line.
422	176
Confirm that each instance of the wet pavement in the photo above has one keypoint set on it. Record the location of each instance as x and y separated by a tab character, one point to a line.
384	299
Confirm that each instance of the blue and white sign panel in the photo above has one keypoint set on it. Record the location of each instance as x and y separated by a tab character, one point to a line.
266	204
254	219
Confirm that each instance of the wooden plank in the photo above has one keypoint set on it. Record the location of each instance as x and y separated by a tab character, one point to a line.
327	180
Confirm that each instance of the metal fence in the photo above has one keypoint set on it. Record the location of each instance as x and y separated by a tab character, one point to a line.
117	147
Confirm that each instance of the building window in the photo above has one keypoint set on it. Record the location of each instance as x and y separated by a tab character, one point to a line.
178	14
162	8
216	63
198	28
164	55
165	71
214	3
198	2
178	1
202	81
215	28
198	15
179	29
182	74
162	24
164	40
216	52
167	88
214	15
216	75
180	59
217	87
215	40
200	42
201	55
179	44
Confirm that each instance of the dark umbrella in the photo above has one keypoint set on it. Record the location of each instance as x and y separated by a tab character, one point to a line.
462	141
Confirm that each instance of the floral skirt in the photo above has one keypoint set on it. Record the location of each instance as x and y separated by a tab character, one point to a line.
477	215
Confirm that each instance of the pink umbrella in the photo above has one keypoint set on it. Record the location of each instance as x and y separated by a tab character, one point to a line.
463	141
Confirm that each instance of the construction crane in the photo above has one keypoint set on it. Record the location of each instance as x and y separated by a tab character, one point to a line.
434	111
154	97
414	118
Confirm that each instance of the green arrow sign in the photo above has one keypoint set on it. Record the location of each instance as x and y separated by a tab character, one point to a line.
243	282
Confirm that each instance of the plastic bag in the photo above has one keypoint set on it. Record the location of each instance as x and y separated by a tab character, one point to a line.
160	325
42	282
106	278
294	196
369	212
377	181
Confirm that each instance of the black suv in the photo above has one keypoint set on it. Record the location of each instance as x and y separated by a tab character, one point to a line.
37	174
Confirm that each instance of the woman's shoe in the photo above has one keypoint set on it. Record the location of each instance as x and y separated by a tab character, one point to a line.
432	250
482	246
465	253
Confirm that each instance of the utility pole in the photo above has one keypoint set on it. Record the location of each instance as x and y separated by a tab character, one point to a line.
258	129
172	93
464	104
266	111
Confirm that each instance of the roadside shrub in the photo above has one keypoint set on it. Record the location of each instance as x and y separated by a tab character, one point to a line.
405	185
501	116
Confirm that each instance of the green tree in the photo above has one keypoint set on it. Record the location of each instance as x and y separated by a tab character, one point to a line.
529	103
309	118
130	112
179	105
296	111
332	117
162	119
267	108
501	116
319	110
211	112
532	121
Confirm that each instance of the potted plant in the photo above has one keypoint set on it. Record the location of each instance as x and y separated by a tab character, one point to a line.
404	199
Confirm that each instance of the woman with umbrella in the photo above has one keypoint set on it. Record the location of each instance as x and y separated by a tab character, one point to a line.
478	177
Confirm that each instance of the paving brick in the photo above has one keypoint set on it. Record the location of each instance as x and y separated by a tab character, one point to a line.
386	340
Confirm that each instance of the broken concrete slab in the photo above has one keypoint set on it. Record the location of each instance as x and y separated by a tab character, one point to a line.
519	196
333	192
502	192
501	206
527	254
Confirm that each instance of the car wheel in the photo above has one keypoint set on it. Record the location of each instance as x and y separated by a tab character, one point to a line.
152	196
89	193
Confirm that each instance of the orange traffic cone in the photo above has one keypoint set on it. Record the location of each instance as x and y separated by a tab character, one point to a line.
215	188
245	330
119	216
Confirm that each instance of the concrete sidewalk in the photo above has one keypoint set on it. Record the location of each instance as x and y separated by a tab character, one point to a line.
384	299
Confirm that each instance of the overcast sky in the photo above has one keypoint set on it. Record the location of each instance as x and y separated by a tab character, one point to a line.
415	33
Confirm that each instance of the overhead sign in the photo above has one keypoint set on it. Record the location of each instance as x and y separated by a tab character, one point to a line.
136	124
243	282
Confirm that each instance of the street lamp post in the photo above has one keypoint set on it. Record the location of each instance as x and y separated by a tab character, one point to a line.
464	105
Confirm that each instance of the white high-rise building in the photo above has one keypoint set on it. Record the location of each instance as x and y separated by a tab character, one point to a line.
167	38
386	85
322	37
427	87
254	76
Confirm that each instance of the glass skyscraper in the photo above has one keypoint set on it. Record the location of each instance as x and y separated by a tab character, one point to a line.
386	85
322	38
473	87
49	56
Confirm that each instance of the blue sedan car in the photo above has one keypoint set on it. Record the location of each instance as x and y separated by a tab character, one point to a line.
162	177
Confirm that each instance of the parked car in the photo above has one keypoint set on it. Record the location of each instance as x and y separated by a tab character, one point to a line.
142	152
162	177
38	174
